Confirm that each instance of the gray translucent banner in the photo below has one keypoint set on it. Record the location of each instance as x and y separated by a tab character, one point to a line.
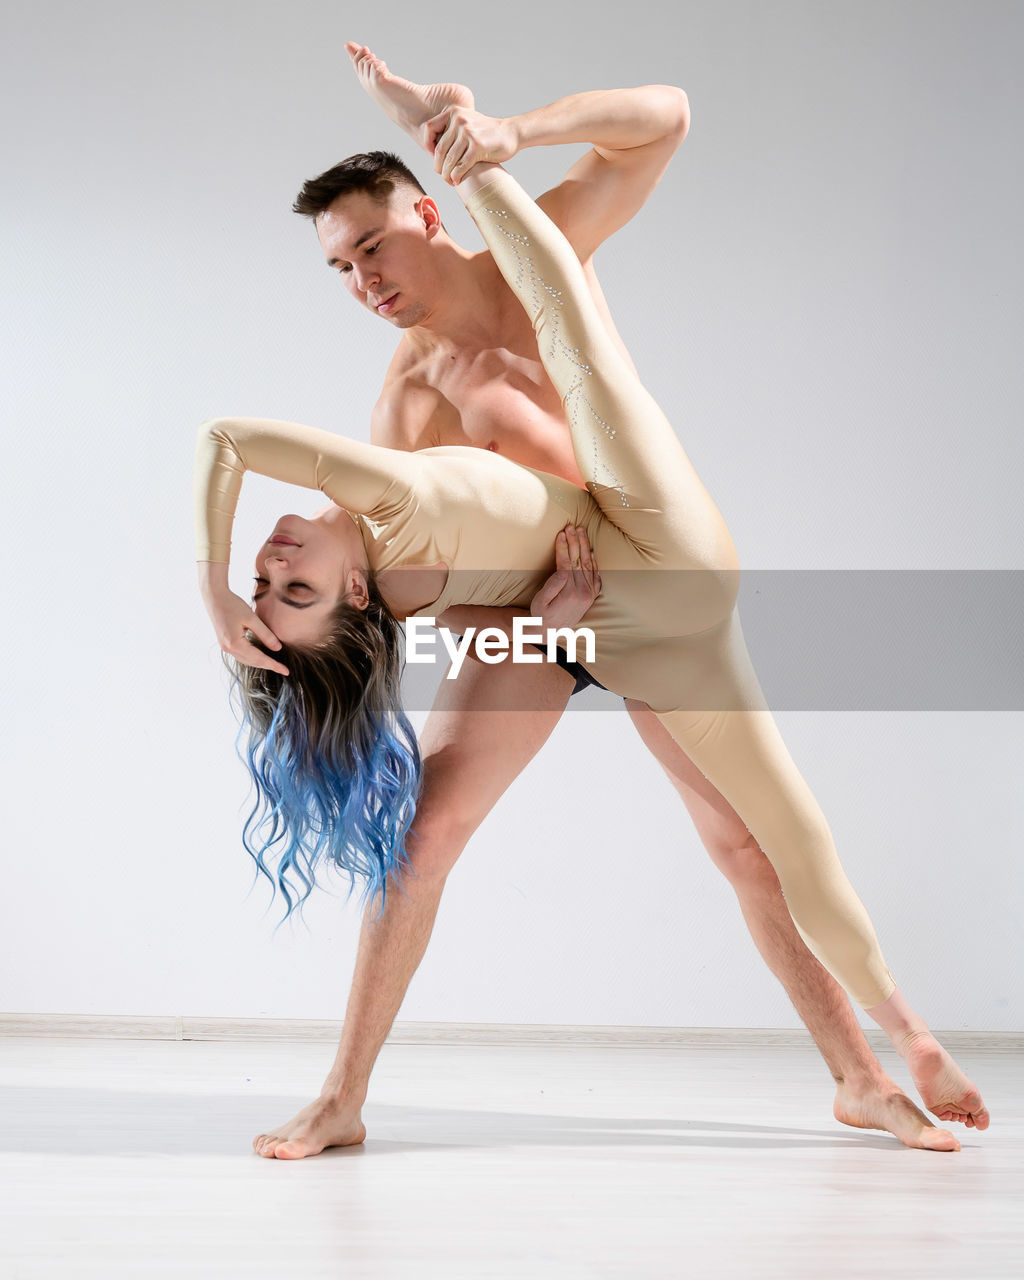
826	640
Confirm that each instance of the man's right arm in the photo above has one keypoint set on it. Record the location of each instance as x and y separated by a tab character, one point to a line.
399	421
386	423
562	601
404	415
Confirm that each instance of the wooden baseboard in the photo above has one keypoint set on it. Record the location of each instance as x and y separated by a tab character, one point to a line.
128	1027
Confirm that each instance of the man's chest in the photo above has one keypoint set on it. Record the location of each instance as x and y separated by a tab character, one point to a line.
499	400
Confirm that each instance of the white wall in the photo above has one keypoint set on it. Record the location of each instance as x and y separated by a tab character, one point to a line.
825	296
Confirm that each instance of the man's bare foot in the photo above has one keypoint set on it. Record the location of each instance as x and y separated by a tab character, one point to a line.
946	1091
409	105
324	1123
882	1104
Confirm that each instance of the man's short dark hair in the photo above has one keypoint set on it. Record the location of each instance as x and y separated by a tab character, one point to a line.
375	172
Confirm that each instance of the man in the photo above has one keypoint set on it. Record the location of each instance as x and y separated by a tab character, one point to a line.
467	372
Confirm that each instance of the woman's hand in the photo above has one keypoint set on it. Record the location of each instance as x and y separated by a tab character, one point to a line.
232	618
574	586
461	137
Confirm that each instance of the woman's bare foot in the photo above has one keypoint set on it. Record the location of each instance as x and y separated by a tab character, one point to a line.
946	1091
324	1123
409	105
882	1104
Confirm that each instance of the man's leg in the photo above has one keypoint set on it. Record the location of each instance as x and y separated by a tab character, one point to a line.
470	758
865	1096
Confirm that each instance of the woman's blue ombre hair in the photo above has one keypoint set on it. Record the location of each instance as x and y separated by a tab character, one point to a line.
333	758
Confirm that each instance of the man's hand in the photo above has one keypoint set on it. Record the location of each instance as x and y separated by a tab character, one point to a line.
460	137
574	586
232	619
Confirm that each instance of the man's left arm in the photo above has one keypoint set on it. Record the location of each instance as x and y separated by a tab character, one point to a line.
633	134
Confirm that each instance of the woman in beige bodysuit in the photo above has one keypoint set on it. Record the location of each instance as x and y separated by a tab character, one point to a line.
666	626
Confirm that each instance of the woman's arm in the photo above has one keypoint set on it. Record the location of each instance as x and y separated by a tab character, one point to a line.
233	618
362	478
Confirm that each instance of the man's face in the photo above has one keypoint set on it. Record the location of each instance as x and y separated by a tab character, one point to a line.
383	252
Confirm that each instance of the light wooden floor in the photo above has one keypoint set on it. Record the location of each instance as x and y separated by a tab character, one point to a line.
123	1158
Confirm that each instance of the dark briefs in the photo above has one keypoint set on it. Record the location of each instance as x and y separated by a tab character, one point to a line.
577	670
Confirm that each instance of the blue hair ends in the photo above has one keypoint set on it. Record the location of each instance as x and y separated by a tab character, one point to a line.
346	799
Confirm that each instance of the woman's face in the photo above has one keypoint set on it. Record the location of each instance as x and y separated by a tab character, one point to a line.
304	569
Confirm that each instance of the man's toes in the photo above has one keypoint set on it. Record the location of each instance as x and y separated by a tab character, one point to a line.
940	1140
290	1150
976	1118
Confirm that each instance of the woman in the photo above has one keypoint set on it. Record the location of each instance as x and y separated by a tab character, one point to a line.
412	533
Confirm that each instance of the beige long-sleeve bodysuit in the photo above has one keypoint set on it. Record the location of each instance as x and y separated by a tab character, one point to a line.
666	627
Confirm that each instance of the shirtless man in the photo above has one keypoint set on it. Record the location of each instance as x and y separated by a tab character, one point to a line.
467	372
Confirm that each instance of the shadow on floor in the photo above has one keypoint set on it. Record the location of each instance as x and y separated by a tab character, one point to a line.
100	1122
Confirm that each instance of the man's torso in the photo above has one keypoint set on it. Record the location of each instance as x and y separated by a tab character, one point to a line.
491	394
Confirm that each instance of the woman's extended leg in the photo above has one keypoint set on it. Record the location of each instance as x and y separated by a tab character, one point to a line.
626	450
